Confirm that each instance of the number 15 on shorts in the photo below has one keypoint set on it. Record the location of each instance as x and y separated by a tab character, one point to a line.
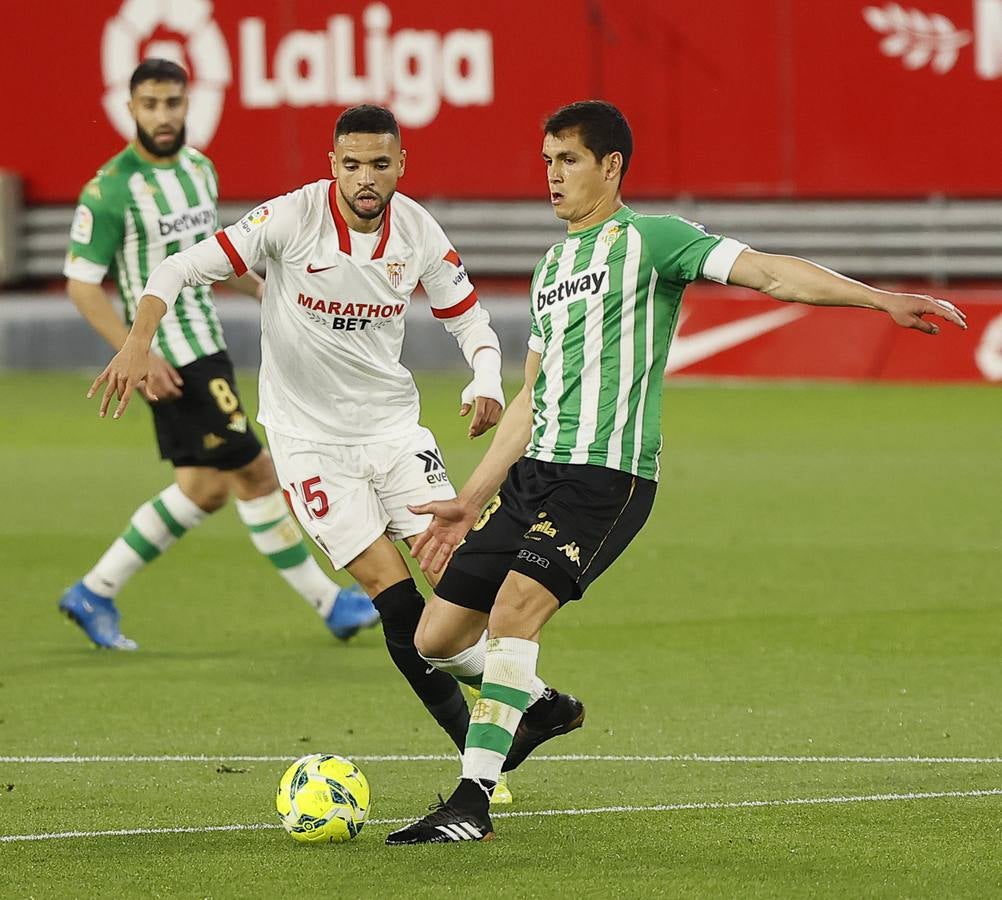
313	496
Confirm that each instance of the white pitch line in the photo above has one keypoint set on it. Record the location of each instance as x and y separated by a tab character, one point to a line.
571	757
528	814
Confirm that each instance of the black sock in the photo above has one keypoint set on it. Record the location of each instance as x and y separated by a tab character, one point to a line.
472	795
400	608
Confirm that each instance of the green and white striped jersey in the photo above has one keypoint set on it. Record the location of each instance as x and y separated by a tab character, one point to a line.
605	304
131	216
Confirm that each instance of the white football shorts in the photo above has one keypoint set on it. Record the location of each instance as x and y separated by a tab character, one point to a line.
347	495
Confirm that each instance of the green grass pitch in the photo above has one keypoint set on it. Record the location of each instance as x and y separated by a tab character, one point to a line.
820	578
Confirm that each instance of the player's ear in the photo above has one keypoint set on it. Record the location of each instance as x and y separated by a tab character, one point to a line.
403	162
613	165
332	158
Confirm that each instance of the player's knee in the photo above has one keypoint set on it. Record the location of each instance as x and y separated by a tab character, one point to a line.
399	607
522	608
208	494
446	630
257	478
433	643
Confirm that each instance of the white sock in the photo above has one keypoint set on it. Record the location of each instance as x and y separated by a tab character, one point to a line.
509	669
277	536
467	667
153	528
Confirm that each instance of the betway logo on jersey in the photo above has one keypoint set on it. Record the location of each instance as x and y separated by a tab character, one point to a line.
175	226
593	283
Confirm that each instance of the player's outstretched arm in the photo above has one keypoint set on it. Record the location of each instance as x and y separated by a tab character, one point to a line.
130	368
454	518
96	307
799	281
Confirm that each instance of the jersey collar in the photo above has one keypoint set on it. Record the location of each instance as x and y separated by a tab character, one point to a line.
344	232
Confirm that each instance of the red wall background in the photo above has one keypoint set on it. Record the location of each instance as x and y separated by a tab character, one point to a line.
766	99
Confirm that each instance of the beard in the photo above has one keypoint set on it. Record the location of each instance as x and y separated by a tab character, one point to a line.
150	145
364	213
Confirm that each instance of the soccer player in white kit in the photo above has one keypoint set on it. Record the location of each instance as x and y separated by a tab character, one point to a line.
343	258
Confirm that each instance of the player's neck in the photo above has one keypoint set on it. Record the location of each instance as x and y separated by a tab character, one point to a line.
356	222
152	158
606	208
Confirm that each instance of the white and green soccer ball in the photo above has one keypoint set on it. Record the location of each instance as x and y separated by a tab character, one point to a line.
323	799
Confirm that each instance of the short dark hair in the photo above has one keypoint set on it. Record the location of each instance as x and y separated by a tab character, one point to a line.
366	119
154	69
603	128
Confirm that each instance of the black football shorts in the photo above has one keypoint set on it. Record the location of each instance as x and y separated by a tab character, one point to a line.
562	525
207	424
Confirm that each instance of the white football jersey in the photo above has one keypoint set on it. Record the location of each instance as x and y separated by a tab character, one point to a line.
332	317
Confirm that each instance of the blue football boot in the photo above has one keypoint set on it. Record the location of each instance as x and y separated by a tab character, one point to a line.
353	610
96	615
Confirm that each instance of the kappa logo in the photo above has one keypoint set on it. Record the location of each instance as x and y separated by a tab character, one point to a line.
593	283
534	559
145	28
573	553
212	441
238	423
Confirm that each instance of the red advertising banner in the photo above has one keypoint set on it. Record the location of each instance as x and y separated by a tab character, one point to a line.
831	98
738	333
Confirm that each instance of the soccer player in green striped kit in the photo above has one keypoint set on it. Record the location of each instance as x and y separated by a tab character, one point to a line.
153	199
576	454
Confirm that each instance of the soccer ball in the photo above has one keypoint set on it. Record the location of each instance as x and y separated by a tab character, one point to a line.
323	799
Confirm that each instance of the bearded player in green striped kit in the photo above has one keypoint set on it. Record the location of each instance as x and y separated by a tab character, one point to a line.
577	450
153	199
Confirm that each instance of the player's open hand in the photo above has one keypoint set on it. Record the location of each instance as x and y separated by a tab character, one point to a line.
486	415
128	371
452	520
909	310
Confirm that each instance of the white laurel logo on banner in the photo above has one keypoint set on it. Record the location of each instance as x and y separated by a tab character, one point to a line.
203	44
919	38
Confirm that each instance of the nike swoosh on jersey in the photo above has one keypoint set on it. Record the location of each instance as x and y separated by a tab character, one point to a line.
687	350
312	271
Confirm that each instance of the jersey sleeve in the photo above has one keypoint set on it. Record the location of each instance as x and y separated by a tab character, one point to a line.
261	234
444	276
683	251
536	342
97	232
